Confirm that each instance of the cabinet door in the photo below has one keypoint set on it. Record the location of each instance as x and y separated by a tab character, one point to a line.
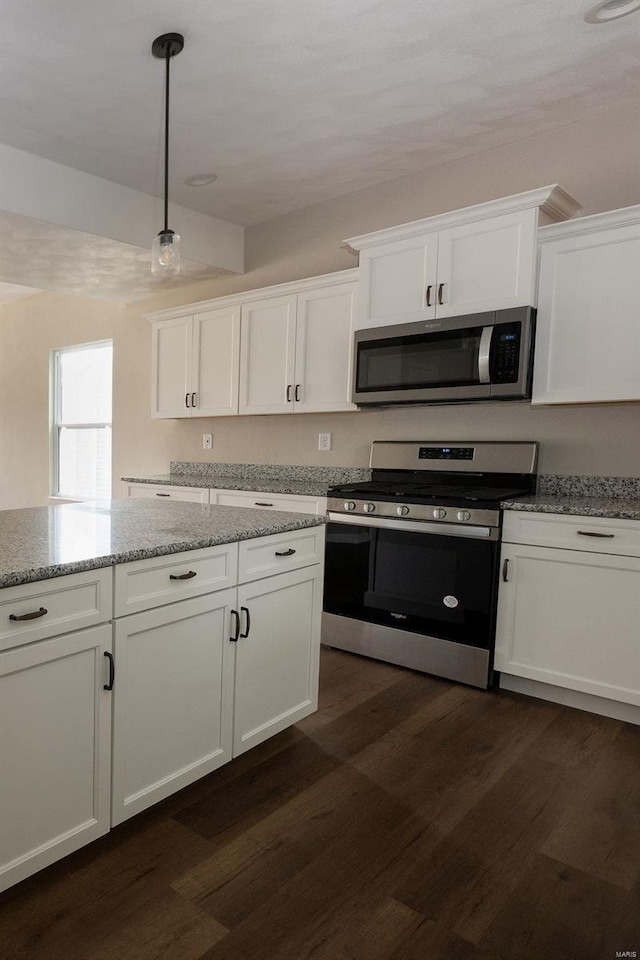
55	750
171	349
397	282
588	327
277	663
324	349
216	362
487	265
267	356
571	619
172	699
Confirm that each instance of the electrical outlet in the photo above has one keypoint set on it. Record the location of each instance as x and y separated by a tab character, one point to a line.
207	441
324	441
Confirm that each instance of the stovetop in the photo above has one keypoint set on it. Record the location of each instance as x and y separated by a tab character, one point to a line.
407	492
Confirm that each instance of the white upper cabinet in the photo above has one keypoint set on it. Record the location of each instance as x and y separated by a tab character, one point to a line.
267	355
469	261
324	345
171	347
284	349
195	360
588	327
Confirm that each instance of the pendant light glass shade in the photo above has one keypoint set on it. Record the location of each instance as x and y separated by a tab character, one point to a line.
165	254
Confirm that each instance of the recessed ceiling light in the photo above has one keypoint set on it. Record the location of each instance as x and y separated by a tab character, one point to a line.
202	179
607	10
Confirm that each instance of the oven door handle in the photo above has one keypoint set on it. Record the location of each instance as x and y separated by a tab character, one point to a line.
484	355
418	526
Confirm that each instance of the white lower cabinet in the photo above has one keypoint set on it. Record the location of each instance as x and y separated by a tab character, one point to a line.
571	618
163	491
55	749
276	675
293	503
172	720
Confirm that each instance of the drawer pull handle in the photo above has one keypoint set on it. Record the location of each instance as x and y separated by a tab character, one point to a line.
234	638
428	297
163	494
288	394
112	672
259	503
29	616
285	553
186	400
590	533
505	571
183	576
296	393
246	632
441	293
193	400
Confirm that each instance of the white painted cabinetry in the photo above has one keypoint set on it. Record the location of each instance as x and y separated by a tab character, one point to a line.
195	360
472	260
55	722
293	503
569	604
282	349
163	491
588	327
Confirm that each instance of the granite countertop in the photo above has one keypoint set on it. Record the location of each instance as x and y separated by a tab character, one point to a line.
615	508
41	542
310	488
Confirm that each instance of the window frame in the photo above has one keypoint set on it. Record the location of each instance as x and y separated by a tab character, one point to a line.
56	424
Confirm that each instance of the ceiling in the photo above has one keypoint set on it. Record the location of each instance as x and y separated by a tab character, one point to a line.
292	102
13	291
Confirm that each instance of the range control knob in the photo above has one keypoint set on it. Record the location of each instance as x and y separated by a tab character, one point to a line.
369	507
349	505
439	514
402	511
463	515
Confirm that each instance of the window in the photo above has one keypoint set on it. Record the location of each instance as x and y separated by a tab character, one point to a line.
81	435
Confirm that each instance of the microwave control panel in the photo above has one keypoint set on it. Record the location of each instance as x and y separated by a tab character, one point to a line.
505	360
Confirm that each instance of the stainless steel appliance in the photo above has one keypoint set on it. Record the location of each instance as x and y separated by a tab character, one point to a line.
411	571
483	356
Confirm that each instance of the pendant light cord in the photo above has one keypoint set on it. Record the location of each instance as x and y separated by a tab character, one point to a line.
166	144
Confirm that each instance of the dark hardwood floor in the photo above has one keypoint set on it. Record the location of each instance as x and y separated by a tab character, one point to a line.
408	819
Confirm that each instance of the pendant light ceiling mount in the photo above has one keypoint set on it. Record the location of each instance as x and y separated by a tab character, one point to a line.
165	254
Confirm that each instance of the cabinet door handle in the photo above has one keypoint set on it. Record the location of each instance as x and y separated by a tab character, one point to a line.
112	672
183	576
590	533
428	294
285	553
193	400
245	610
289	388
505	570
236	634
186	400
441	293
297	392
259	503
163	494
29	616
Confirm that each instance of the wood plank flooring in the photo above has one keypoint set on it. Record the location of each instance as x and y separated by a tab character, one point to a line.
408	819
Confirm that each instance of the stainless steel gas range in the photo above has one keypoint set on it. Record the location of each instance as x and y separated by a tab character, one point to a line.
411	573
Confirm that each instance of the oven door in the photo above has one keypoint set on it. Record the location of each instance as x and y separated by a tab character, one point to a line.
439	361
408	576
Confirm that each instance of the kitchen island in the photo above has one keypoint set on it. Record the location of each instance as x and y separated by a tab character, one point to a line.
142	646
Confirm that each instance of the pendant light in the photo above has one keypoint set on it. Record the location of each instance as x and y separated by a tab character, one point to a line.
165	252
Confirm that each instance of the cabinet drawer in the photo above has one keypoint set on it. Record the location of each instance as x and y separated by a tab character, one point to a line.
266	556
273	501
589	534
143	584
165	492
71	603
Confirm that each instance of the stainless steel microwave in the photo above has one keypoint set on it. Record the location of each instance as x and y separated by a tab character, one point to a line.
482	356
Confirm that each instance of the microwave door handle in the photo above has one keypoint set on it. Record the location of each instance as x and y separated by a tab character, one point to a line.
484	355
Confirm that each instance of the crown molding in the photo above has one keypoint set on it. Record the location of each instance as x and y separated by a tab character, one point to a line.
551	200
591	224
261	293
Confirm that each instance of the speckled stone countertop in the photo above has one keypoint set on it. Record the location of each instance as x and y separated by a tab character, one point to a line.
41	542
221	482
616	508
